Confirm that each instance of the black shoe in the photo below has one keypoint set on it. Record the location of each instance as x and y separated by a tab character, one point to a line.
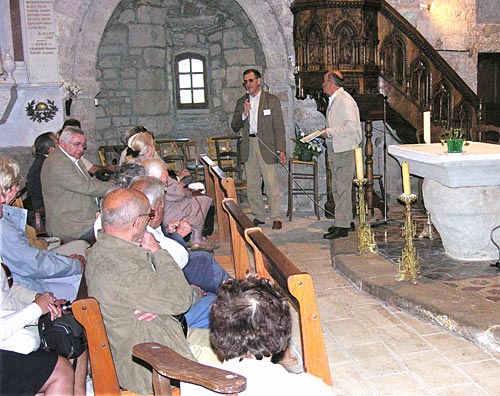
338	232
277	225
352	228
256	222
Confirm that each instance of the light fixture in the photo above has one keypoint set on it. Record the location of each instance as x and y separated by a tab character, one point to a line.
428	7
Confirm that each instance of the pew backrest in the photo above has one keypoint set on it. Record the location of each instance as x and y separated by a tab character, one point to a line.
272	264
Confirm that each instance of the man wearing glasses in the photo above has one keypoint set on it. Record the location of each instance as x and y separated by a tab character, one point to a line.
258	114
69	192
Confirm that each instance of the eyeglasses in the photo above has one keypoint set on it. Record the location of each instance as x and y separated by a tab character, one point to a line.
151	214
250	80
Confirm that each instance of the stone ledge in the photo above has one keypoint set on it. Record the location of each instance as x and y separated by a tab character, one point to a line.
467	314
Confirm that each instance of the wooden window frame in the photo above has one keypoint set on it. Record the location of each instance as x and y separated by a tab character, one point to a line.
190	106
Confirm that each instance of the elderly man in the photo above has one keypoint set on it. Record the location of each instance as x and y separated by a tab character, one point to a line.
180	203
38	270
259	117
131	275
44	144
200	268
69	192
343	134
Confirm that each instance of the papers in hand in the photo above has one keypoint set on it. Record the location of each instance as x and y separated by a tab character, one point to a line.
311	136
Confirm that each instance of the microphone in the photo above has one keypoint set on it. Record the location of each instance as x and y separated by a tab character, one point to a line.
247	96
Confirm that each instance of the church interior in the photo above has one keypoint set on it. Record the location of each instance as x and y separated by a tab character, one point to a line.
409	303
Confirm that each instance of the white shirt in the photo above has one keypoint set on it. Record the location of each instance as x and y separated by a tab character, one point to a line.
265	378
174	248
254	111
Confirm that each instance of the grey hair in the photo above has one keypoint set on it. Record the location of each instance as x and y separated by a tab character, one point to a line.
125	173
120	214
9	173
154	167
151	187
69	131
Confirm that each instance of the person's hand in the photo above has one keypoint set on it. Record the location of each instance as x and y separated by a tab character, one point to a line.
172	226
203	292
43	242
81	259
196	193
147	316
324	135
149	242
282	158
246	108
44	300
184	228
55	311
183	173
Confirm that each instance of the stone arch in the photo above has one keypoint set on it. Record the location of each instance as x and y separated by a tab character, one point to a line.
86	22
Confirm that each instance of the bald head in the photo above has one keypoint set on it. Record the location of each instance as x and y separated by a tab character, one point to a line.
155	167
120	209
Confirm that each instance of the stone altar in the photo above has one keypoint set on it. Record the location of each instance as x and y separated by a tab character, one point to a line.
461	192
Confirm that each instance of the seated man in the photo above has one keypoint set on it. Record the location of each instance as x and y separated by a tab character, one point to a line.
200	268
44	145
180	203
69	192
251	322
38	270
130	274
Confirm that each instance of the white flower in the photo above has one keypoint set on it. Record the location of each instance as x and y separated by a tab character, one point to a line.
73	90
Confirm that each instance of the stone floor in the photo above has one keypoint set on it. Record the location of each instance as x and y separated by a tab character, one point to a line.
398	340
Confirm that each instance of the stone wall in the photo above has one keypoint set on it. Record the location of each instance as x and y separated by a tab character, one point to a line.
136	61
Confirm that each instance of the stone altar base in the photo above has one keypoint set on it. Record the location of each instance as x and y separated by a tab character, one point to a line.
464	218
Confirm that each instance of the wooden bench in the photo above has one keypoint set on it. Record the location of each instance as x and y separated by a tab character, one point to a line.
167	364
272	264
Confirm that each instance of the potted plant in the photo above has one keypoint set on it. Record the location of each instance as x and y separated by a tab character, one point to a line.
306	151
454	139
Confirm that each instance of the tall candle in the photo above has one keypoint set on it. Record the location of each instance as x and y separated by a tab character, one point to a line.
405	169
427	127
360	172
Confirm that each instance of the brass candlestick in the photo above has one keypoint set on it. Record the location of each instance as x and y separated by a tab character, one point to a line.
366	240
428	231
409	263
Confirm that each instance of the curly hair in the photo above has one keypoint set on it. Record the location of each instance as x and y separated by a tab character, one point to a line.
249	316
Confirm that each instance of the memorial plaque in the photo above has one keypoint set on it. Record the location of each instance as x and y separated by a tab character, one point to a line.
41	41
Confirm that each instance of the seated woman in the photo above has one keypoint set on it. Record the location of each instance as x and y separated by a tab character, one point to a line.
38	270
251	322
25	369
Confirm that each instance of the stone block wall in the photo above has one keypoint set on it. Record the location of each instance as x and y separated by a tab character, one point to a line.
136	64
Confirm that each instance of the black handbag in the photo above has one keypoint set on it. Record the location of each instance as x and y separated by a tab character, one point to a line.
64	335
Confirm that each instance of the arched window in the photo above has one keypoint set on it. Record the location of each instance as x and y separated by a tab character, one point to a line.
191	79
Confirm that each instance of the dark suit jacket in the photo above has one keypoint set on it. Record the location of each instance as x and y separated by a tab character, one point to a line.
33	184
69	196
270	127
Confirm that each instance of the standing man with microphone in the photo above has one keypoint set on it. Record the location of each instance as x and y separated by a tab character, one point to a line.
258	114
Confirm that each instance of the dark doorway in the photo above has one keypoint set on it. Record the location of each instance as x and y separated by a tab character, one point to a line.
488	86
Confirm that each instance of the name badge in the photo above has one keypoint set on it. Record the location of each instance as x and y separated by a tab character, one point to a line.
267	112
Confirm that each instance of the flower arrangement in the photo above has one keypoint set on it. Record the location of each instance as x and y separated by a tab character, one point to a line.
306	151
73	90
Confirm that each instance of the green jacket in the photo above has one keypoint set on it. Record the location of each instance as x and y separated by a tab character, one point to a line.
124	277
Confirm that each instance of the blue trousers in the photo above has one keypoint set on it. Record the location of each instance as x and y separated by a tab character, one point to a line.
204	271
198	315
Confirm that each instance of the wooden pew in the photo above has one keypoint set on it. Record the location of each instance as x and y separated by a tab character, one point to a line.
166	363
271	263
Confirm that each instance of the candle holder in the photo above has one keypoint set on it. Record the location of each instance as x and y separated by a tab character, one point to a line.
366	239
409	262
428	231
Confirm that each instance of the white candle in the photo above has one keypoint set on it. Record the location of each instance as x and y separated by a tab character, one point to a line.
405	170
427	127
360	172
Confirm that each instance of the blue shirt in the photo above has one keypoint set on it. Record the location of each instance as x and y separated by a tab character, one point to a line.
31	267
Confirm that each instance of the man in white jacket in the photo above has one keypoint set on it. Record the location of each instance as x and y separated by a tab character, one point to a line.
343	134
